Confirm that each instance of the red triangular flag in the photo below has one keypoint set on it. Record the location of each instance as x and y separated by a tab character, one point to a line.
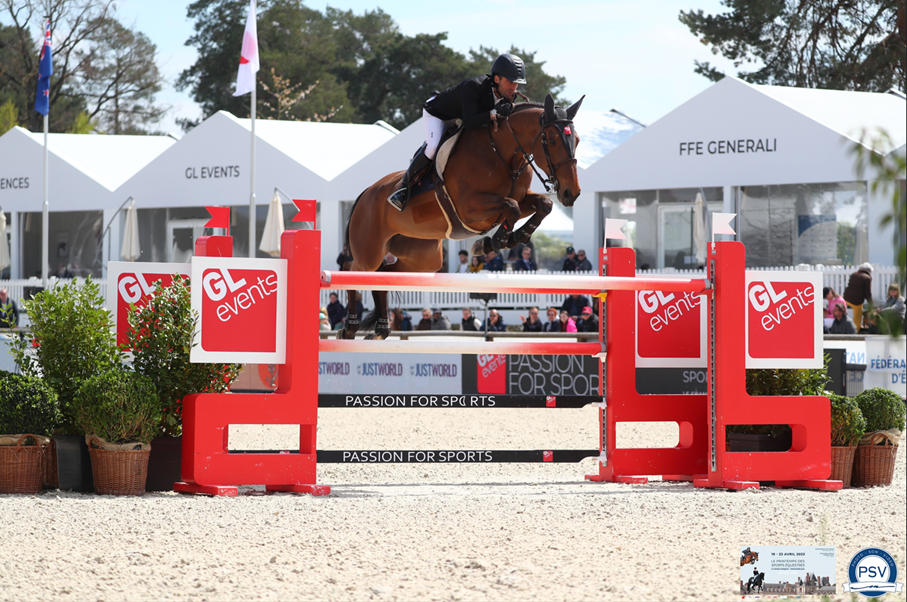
307	211
220	218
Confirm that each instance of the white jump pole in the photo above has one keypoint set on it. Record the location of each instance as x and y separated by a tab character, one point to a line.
504	283
460	347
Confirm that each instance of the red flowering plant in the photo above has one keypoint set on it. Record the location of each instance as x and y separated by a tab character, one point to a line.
161	336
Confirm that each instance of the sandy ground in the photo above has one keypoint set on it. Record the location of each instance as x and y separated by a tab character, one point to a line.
434	532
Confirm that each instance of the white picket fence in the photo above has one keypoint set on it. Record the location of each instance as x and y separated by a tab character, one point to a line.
833	276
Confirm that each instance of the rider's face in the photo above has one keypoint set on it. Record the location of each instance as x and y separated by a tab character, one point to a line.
506	88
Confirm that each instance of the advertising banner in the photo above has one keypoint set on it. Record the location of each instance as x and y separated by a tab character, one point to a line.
671	330
380	373
788	571
886	359
242	309
133	283
783	319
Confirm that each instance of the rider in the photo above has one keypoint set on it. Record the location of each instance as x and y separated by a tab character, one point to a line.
478	102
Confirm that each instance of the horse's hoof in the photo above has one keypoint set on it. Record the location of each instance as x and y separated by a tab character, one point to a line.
478	247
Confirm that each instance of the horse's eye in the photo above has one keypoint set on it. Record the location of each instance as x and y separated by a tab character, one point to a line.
552	140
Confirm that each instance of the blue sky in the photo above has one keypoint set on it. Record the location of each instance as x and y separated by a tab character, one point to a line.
631	54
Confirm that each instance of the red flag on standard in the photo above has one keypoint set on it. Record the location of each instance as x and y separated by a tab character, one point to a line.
248	62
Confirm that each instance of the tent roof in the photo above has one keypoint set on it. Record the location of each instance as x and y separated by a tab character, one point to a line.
109	160
600	132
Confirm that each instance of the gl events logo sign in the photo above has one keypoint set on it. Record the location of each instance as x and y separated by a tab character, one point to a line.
134	286
241	305
783	319
670	329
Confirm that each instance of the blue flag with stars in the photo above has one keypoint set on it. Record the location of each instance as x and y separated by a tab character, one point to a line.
45	70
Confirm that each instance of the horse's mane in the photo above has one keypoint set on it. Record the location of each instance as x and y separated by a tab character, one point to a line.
522	106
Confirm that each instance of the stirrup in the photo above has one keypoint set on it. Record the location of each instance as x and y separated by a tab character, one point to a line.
398	199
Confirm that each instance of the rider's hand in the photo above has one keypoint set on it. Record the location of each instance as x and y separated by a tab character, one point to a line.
504	108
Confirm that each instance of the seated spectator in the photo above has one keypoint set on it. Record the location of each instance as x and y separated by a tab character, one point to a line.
553	324
425	322
567	323
438	320
400	320
872	324
570	260
476	264
463	266
495	322
525	263
582	264
9	311
894	303
533	324
574	305
469	321
493	262
833	299
323	322
842	324
588	321
336	310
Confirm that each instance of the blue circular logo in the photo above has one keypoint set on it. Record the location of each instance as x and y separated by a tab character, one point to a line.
870	572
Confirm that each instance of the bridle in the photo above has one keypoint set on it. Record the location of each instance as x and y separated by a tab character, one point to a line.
565	129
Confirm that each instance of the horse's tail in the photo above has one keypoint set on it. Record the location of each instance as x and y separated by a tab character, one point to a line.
346	231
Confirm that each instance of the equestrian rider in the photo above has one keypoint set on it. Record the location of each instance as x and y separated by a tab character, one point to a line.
477	102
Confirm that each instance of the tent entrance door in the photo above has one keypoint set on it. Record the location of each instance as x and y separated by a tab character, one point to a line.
181	235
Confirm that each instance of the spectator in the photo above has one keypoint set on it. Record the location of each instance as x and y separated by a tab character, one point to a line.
568	324
336	310
570	260
438	320
495	322
842	324
400	320
582	264
345	256
476	264
533	324
894	304
9	311
425	322
553	324
493	262
464	262
525	263
588	321
323	322
872	324
833	299
469	321
859	291
574	305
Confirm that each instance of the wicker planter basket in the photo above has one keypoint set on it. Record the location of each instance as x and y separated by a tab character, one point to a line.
119	472
874	465
842	463
22	466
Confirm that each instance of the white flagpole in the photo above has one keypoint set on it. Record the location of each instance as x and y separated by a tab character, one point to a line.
44	217
252	245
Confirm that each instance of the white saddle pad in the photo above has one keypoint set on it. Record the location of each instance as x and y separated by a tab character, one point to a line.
445	150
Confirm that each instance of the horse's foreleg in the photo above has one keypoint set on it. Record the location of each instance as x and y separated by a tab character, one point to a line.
351	323
510	213
539	206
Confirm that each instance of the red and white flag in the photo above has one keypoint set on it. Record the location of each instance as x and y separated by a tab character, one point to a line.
248	62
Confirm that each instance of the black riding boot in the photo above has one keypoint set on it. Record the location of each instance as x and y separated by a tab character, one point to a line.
401	196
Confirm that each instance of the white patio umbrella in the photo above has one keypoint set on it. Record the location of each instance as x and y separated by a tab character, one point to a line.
4	246
700	236
270	240
130	249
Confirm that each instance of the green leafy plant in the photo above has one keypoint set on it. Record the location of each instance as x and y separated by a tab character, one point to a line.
118	406
161	337
27	405
72	340
847	421
882	409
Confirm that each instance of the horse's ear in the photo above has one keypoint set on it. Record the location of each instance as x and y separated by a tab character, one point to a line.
549	106
571	112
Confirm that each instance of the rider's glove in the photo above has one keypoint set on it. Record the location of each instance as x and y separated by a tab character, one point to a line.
504	109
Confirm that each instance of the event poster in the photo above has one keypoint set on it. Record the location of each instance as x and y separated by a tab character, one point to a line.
773	571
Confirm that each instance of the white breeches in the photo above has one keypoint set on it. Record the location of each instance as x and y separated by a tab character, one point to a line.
434	129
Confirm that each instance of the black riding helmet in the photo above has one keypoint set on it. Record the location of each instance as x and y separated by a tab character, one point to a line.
510	66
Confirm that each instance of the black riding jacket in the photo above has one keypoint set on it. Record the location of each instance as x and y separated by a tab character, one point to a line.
470	100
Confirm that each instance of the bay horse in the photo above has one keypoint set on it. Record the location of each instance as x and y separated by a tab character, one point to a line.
486	180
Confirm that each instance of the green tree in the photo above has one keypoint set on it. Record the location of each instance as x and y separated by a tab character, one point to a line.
9	116
83	124
834	44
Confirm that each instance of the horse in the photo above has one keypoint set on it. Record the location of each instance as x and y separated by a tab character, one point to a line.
749	558
485	185
758	580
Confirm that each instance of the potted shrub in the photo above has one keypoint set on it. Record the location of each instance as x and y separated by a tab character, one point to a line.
118	412
72	340
28	412
874	461
774	382
161	337
847	428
